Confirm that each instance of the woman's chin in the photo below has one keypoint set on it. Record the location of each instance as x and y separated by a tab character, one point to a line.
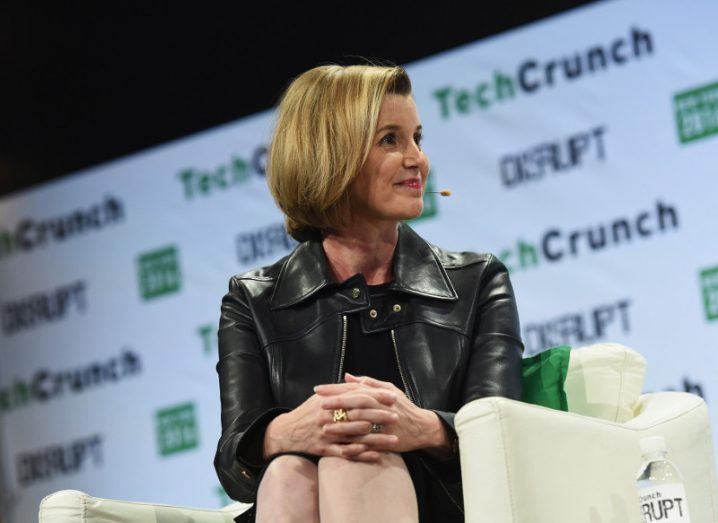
398	213
413	213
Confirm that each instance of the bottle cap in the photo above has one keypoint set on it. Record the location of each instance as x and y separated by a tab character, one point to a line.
653	444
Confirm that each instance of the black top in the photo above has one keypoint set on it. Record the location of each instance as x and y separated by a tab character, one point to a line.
372	354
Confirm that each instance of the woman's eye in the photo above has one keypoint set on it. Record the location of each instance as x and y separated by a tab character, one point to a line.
417	139
388	139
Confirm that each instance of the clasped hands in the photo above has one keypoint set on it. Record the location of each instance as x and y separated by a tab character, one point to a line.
367	401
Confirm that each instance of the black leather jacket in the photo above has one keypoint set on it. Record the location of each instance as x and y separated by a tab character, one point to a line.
283	330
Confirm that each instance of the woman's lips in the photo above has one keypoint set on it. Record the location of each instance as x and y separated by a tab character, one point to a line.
413	184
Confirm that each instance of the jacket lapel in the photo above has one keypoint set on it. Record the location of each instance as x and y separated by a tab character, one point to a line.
417	271
304	273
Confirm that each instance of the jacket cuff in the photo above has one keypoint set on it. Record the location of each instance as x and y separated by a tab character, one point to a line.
250	448
448	467
447	420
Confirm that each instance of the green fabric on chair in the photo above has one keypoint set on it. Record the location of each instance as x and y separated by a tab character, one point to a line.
543	378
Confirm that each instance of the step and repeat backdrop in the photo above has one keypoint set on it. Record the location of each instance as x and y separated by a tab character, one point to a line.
582	150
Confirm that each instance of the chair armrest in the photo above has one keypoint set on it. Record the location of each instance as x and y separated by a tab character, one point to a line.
73	506
522	462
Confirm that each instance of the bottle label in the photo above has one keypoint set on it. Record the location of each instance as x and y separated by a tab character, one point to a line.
665	503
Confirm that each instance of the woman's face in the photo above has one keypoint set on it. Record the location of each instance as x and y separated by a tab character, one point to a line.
390	185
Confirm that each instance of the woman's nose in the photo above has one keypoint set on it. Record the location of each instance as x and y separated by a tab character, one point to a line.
412	155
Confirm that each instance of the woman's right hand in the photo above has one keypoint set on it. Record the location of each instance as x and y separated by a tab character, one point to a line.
301	430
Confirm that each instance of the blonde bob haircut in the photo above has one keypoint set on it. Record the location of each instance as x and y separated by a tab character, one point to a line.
325	128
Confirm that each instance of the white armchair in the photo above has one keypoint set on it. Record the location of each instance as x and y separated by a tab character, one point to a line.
73	506
523	463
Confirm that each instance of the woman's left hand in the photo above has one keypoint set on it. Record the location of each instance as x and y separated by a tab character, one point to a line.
415	428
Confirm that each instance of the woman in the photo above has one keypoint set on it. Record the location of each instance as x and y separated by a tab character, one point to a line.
342	365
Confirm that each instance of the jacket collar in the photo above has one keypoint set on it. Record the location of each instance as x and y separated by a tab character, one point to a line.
417	271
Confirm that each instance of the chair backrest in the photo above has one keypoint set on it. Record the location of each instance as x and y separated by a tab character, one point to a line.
604	381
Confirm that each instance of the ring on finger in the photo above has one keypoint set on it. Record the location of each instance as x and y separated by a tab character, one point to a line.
340	415
376	427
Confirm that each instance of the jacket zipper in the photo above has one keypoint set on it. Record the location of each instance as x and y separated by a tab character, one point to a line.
401	371
343	348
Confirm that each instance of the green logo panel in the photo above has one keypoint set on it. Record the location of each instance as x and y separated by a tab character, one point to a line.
208	334
696	113
159	272
177	429
709	286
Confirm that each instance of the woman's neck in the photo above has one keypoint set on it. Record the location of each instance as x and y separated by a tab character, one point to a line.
368	249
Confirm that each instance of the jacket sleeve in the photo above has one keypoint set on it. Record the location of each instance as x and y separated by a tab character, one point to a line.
247	401
494	366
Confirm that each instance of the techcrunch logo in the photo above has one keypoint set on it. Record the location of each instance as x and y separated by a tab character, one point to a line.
176	429
30	234
205	182
531	75
158	272
46	385
556	244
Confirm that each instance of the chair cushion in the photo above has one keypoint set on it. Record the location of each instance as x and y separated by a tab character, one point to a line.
604	381
543	378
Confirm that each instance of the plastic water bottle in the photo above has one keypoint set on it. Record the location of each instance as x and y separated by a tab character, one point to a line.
660	485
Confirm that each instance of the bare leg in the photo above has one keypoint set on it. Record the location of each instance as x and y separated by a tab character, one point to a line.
352	492
288	491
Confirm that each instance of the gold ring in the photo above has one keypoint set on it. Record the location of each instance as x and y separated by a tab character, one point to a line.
340	415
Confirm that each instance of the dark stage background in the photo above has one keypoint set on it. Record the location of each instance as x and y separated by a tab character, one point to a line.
86	82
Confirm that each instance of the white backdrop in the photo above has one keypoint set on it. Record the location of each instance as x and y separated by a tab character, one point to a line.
581	150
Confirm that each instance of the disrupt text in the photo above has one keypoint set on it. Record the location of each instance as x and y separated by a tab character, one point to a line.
579	328
59	460
555	157
44	307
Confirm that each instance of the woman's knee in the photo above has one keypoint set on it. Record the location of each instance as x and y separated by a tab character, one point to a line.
289	471
288	491
366	491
